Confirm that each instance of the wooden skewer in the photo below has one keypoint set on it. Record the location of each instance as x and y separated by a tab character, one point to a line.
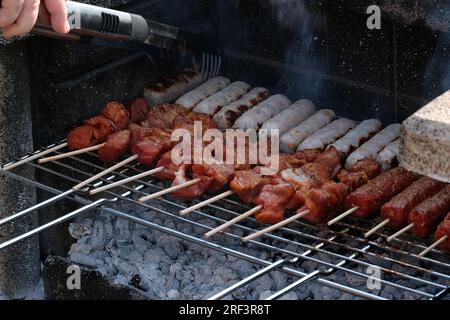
342	216
376	228
434	245
275	226
400	232
71	153
233	221
34	156
126	180
206	202
169	190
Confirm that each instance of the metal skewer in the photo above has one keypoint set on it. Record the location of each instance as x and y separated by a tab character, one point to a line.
275	226
71	153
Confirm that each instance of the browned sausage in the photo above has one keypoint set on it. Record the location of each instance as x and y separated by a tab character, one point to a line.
398	209
371	196
427	215
442	231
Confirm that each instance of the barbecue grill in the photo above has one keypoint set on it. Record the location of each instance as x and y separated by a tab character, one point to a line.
74	80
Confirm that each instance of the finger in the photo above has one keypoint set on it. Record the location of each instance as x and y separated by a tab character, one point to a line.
58	15
44	16
9	11
25	21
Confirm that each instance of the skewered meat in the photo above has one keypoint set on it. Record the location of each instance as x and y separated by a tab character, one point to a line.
169	89
398	208
82	137
331	159
170	167
292	138
273	198
153	146
255	117
371	148
369	166
291	116
190	99
163	116
116	145
371	196
222	98
138	110
187	122
193	191
427	215
297	159
388	157
226	117
355	137
323	137
324	202
102	127
247	184
117	113
442	231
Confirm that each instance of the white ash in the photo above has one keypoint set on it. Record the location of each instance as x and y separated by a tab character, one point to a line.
170	268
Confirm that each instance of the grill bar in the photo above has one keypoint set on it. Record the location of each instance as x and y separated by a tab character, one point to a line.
399	262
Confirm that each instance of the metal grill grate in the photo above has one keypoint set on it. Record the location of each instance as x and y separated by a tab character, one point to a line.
329	252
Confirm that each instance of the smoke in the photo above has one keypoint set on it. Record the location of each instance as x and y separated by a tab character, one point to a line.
437	73
297	16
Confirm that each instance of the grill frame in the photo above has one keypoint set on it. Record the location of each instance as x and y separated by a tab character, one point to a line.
289	234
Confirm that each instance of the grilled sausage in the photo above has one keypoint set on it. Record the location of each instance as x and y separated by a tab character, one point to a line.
398	208
371	196
169	89
265	110
388	157
291	116
442	231
323	137
226	117
427	215
371	148
190	99
292	138
355	137
222	98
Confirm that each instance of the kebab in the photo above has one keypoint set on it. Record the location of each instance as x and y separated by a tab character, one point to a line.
441	237
426	216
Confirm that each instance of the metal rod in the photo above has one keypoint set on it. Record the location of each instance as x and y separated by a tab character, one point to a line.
290	287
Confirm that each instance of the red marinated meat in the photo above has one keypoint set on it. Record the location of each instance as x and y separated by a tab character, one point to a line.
82	137
170	168
442	231
187	121
369	166
221	174
398	208
138	110
247	184
428	214
273	198
331	158
117	113
116	145
192	191
371	196
152	147
163	116
102	127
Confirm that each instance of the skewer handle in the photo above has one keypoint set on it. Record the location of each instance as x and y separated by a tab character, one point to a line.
126	180
169	190
206	202
105	172
400	232
376	228
275	226
233	221
342	216
71	153
431	247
